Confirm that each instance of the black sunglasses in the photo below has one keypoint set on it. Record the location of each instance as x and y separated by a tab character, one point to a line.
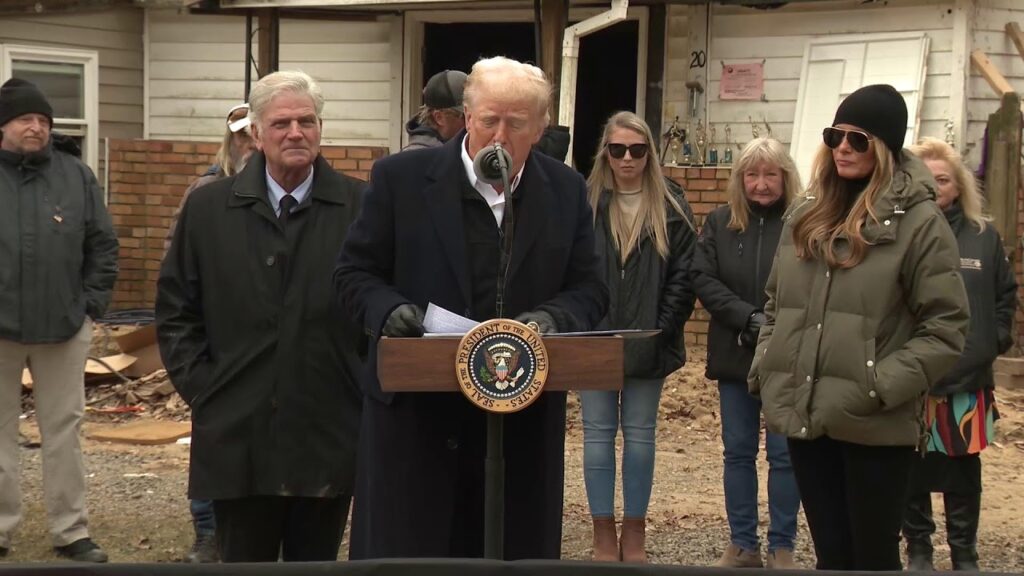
636	151
858	140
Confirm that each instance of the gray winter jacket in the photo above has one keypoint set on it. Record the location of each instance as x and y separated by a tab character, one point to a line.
58	250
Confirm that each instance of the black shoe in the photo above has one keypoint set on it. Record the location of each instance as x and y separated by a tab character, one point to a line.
964	560
920	564
4	552
82	550
919	555
204	550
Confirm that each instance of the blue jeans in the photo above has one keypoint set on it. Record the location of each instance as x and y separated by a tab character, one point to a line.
638	403
741	429
202	517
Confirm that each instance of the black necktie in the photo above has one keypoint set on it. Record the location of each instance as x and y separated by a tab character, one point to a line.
287	203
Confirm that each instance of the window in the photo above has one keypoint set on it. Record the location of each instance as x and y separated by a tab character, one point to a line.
69	79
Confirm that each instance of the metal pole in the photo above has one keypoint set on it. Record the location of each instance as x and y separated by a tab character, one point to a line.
494	489
248	53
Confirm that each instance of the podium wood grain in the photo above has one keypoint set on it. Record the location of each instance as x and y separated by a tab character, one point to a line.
428	364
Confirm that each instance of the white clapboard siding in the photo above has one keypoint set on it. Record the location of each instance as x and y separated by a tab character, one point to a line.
677	63
116	36
779	38
989	35
197	72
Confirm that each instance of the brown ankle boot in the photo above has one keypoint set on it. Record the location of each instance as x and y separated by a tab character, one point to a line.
631	544
605	540
735	557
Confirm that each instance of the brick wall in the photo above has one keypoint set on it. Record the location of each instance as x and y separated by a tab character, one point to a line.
705	191
147	180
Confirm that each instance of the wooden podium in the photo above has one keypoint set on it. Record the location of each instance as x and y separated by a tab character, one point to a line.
428	365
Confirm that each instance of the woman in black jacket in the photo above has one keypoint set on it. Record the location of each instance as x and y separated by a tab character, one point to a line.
961	406
644	238
731	265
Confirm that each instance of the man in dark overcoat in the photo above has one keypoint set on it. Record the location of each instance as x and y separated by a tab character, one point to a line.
254	340
431	232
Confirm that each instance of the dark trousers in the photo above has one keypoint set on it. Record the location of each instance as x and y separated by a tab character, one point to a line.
266	528
853	497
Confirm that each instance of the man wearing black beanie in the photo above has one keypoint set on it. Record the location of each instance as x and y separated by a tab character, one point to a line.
57	268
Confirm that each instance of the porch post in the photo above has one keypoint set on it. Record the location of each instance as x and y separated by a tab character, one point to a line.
554	17
269	39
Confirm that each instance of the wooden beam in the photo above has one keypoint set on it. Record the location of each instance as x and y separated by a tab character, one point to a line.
269	36
554	17
1002	167
1014	32
991	74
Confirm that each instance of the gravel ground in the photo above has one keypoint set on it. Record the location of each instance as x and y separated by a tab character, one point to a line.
139	513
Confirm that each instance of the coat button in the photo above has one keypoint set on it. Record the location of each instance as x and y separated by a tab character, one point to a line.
870	363
808	378
803	430
887	222
271	260
819	325
828	273
872	393
452	443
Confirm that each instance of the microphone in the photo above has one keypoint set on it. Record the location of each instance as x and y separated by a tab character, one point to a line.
492	164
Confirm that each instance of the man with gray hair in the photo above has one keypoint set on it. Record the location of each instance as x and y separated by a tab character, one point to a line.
253	340
58	263
432	231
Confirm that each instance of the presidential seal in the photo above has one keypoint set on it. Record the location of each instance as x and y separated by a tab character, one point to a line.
501	365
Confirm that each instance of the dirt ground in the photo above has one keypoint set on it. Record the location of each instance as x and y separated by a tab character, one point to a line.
139	513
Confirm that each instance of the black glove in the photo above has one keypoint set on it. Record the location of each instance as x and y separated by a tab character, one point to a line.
545	323
406	320
748	336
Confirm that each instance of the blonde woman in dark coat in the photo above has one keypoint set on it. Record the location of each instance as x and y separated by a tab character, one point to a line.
644	238
731	265
961	407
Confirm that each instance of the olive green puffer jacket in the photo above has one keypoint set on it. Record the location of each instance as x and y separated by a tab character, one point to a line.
850	354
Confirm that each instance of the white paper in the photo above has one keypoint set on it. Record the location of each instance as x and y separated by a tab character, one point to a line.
439	321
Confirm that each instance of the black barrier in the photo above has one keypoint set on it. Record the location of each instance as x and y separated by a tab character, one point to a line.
415	567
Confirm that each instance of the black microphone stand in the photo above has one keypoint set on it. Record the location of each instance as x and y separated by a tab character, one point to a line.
494	468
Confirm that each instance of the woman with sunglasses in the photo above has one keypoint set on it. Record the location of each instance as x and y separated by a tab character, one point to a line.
866	311
645	238
731	264
961	408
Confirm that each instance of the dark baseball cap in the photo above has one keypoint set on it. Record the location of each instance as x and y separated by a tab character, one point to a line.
444	90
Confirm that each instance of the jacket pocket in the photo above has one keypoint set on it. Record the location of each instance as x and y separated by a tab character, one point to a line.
778	399
867	401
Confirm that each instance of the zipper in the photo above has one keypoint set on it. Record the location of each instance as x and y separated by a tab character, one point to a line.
757	258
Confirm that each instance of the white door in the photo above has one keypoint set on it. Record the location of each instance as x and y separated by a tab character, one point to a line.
836	66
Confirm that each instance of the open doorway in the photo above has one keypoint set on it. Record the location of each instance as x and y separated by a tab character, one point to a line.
607	76
606	83
459	46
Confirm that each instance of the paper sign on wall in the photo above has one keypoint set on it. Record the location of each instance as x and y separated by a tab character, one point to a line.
742	82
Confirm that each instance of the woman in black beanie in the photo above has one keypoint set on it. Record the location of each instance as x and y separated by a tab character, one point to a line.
866	311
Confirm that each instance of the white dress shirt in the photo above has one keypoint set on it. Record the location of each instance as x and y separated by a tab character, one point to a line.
495	200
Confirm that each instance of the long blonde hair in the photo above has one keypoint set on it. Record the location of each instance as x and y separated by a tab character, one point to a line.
971	200
223	158
769	151
827	220
652	216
